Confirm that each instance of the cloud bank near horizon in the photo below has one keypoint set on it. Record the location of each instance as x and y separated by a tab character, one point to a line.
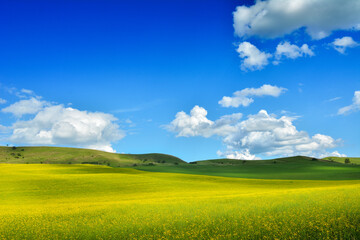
260	134
55	124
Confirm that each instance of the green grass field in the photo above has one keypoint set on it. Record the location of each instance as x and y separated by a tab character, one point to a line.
252	200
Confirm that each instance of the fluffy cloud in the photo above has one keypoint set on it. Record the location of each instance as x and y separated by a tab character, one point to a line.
240	155
355	106
337	154
57	125
2	101
259	134
292	51
197	124
28	106
341	44
50	124
332	154
275	18
243	97
253	58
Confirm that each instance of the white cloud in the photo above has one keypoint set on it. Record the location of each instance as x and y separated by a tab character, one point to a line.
337	154
333	99
27	91
52	124
276	18
240	155
243	97
253	58
24	93
28	106
332	154
197	124
355	106
57	125
2	101
341	44
259	134
292	51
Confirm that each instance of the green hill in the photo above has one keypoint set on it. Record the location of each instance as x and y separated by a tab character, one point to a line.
299	167
353	160
62	155
226	161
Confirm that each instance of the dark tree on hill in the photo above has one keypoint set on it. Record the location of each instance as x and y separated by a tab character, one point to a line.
347	160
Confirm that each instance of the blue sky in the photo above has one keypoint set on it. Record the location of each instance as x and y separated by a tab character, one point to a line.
126	68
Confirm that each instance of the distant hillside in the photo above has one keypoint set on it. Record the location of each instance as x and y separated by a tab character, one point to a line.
62	155
353	160
297	168
226	161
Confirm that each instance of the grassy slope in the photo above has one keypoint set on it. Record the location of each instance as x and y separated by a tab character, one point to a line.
62	155
283	168
49	201
342	159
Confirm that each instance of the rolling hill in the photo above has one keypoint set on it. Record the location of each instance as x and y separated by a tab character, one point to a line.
298	167
62	155
353	160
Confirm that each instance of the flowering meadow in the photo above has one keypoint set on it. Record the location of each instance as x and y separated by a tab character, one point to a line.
44	201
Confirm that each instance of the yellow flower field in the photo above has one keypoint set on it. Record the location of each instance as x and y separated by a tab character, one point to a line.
42	201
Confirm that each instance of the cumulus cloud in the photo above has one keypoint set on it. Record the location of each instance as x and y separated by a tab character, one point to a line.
2	101
355	106
341	44
197	124
240	155
55	124
259	134
28	106
243	97
253	58
58	125
292	51
337	154
276	18
332	154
